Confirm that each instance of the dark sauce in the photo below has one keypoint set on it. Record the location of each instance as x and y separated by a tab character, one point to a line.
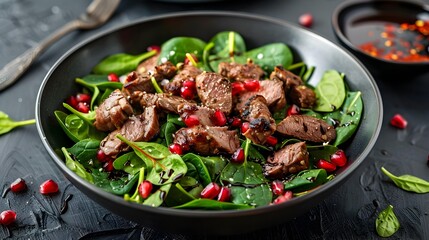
65	204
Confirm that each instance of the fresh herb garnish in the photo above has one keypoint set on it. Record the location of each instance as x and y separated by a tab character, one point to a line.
7	124
408	182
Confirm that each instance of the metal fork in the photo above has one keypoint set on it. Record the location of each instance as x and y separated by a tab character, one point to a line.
97	13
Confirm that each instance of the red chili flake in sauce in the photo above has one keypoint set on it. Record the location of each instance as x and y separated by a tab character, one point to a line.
405	42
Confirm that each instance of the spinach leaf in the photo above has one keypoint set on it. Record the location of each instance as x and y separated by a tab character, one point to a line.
76	128
121	63
330	92
167	170
203	173
306	180
118	185
348	117
129	163
408	182
175	49
97	83
321	152
61	119
221	44
271	55
249	173
85	152
7	124
177	196
387	223
158	197
77	167
87	117
214	165
257	195
166	133
209	204
175	119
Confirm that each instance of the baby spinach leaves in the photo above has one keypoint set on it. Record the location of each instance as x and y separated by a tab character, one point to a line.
76	128
7	124
121	63
96	84
306	180
330	92
175	49
387	223
76	167
209	204
408	182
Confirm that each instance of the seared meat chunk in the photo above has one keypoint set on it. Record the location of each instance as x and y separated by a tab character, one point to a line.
240	72
163	71
208	140
307	128
214	91
204	114
162	101
262	125
287	77
112	112
292	158
187	72
142	127
302	96
137	82
148	65
271	90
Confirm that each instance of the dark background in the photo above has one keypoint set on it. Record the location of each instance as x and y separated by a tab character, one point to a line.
348	214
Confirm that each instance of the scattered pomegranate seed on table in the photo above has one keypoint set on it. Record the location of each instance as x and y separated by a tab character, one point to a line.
398	121
48	187
7	217
18	185
145	188
210	191
306	20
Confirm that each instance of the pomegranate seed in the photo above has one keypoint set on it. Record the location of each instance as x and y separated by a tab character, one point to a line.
235	122
398	121
112	77
272	141
18	185
101	156
82	107
175	148
306	20
244	127
277	187
108	166
252	85
187	61
293	110
237	88
145	188
7	217
238	156
72	101
224	194
339	158
48	187
154	47
283	198
323	164
189	84
210	191
187	93
219	118
191	120
83	97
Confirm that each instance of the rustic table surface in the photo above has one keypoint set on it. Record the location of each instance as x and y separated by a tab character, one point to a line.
348	214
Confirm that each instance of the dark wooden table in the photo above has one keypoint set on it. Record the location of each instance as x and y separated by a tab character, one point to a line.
348	214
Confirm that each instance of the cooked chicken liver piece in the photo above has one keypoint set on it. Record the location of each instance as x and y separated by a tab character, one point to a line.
215	91
143	127
186	72
240	72
112	112
207	140
290	159
271	90
262	125
307	128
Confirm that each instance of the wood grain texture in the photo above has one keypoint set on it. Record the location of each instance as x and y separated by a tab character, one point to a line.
348	214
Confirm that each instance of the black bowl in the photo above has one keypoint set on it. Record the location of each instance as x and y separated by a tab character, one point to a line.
257	30
352	21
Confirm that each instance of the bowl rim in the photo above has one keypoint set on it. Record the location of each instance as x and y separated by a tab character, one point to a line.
204	213
348	5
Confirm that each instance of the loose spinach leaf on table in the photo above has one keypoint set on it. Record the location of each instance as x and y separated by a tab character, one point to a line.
330	92
121	63
7	124
387	223
408	182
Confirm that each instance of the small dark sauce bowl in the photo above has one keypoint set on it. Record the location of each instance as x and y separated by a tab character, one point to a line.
352	22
